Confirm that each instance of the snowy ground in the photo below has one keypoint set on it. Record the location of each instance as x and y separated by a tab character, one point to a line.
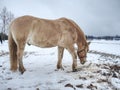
101	71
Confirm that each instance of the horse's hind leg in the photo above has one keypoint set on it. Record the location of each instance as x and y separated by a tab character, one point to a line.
20	51
13	53
60	56
74	56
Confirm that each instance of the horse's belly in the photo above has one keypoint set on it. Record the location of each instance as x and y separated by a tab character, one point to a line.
43	39
42	44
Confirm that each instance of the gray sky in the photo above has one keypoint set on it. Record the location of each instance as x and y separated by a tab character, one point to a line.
95	17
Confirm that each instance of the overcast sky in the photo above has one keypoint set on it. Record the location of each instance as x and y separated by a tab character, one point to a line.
95	17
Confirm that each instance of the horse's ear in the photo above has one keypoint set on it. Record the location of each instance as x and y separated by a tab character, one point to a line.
88	43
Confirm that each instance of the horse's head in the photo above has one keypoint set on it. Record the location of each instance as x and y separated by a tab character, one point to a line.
82	54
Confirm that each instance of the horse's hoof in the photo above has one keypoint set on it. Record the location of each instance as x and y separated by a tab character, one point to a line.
22	70
74	70
60	67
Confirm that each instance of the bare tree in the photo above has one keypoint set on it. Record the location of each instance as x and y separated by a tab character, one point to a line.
6	17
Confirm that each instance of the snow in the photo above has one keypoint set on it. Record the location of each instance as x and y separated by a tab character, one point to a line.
106	46
100	72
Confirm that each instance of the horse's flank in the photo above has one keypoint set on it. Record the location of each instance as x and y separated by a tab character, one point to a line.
43	33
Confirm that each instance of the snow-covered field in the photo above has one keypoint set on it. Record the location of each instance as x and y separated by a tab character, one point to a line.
100	72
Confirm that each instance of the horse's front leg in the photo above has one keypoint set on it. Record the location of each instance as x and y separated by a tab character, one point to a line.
19	58
71	49
60	56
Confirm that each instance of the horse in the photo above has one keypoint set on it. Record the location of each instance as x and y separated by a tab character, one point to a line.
46	33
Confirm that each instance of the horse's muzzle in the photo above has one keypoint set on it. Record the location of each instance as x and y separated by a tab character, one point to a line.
83	61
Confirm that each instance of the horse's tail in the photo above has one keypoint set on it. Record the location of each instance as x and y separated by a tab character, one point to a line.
13	52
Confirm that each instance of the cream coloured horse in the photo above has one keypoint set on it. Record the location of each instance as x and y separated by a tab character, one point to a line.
61	32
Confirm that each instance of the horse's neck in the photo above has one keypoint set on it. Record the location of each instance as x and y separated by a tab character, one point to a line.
81	41
81	45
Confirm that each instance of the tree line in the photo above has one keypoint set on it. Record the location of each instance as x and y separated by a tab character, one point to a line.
5	18
117	37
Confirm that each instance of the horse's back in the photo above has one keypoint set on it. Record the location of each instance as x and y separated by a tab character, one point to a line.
20	27
21	24
43	32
